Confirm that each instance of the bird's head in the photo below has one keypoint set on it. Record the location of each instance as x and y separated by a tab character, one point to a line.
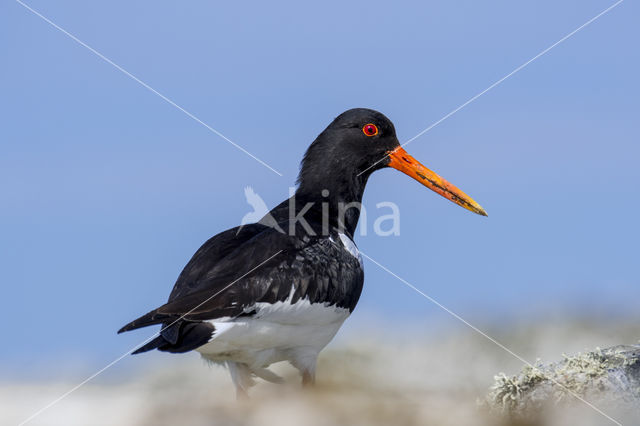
360	141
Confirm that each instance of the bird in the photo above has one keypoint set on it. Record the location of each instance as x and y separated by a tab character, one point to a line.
259	294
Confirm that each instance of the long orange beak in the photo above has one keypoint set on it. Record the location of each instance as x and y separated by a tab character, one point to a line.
408	165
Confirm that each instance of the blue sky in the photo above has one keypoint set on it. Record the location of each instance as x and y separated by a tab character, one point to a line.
106	189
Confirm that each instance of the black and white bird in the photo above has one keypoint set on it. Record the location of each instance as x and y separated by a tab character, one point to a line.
279	290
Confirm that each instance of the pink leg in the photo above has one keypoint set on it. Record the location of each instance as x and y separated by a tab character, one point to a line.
308	378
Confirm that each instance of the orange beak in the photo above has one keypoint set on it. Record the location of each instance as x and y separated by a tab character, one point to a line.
408	165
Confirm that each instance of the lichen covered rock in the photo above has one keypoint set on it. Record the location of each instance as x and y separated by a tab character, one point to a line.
606	377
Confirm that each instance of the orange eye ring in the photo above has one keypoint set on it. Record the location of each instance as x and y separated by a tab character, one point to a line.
370	129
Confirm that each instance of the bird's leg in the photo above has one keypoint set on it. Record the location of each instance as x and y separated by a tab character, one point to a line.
308	378
241	376
305	363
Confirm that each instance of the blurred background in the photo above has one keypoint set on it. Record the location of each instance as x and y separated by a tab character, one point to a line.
106	190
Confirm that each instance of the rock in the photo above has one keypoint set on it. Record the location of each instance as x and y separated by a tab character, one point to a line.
605	377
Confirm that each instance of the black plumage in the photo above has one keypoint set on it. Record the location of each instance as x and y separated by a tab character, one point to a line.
316	268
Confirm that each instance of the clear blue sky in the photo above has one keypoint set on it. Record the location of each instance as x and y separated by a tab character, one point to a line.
106	190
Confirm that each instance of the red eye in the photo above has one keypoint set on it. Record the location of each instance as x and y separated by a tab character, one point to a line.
370	129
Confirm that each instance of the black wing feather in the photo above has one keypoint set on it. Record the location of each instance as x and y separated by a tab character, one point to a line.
193	276
228	275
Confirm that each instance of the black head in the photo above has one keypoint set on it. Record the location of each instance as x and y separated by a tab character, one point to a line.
355	144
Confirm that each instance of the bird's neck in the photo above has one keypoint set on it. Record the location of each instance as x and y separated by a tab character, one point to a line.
331	203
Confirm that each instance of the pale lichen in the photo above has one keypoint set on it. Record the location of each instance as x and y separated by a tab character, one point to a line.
609	375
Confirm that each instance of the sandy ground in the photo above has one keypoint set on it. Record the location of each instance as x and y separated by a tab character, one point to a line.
362	380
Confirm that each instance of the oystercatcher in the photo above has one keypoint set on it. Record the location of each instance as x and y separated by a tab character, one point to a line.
279	289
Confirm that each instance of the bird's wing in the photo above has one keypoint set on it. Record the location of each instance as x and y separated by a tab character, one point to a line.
268	267
225	274
193	277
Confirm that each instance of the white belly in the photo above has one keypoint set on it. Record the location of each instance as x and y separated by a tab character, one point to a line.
281	331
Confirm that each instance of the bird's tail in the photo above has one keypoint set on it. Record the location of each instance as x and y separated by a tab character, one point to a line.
150	318
157	343
177	336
